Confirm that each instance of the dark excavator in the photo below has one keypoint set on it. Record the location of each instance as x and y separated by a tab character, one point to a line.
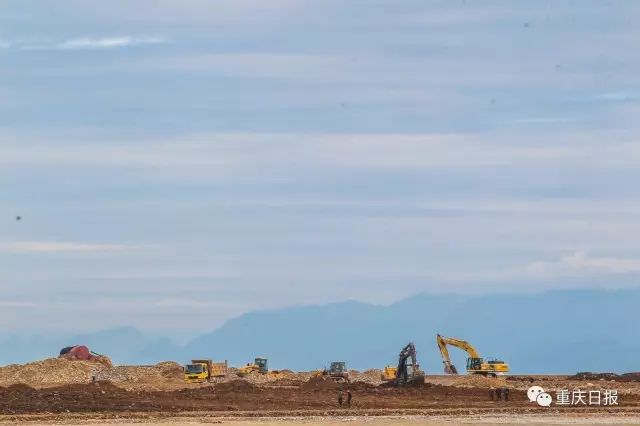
408	371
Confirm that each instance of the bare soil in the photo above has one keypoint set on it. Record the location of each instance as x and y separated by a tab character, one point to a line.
64	393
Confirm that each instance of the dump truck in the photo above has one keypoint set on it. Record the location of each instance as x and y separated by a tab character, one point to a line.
204	370
260	365
475	363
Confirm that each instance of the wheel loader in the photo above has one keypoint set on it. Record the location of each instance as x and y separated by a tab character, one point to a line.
260	365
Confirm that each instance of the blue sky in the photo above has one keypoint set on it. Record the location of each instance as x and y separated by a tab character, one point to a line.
181	162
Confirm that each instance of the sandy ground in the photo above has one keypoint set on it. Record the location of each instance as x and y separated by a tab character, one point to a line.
62	392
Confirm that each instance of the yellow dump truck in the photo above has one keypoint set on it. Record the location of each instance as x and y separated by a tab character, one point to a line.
204	370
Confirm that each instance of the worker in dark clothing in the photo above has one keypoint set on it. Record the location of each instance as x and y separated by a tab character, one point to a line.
340	398
349	396
498	394
492	394
505	394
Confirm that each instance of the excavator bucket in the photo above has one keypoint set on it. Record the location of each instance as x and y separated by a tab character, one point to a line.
450	369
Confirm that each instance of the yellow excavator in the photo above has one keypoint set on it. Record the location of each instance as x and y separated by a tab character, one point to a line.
475	363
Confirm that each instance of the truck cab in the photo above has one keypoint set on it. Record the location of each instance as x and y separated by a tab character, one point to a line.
196	372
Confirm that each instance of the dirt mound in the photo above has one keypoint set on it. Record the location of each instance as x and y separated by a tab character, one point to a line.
478	381
587	375
236	386
286	382
170	370
371	376
60	371
527	379
320	384
50	371
630	377
19	387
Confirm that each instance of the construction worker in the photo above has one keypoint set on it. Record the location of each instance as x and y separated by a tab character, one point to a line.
492	394
498	394
505	394
340	399
349	396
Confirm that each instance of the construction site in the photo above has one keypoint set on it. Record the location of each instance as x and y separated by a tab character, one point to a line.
81	386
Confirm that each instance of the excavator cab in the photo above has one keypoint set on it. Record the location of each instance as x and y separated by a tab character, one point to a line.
263	367
474	364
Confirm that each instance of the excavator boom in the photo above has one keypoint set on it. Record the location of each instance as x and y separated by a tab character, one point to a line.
449	368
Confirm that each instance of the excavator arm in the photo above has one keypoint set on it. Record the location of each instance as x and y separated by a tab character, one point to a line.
405	374
449	368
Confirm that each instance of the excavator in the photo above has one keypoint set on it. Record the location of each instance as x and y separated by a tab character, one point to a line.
475	363
407	372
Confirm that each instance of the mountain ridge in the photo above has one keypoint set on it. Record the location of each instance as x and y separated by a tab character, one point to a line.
560	331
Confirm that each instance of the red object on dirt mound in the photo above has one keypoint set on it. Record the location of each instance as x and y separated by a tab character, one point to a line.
79	352
82	353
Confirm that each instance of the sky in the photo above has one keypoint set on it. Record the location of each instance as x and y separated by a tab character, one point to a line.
177	163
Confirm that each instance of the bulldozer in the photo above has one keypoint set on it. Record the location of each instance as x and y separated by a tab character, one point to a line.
408	370
260	365
475	363
337	371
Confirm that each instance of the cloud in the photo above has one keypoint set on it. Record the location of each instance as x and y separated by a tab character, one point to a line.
613	96
580	263
83	43
107	42
227	151
16	304
60	247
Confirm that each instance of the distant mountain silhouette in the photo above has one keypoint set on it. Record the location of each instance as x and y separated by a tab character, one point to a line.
553	332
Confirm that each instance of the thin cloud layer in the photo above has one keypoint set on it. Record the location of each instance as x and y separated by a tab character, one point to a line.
108	42
84	43
581	263
60	247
